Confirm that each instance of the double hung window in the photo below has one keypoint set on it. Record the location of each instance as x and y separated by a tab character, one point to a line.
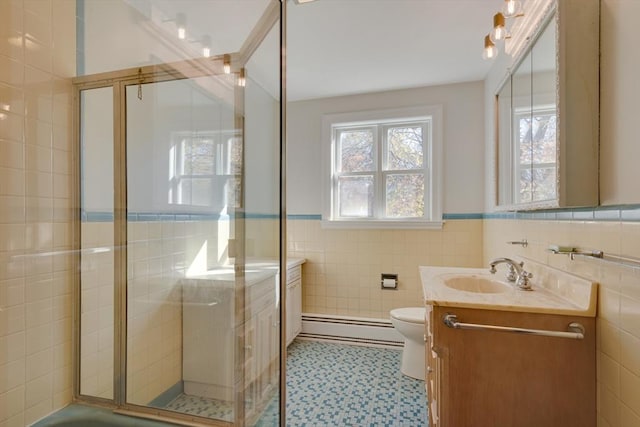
202	165
382	170
536	174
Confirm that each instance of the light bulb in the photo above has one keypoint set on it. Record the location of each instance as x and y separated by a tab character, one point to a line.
511	8
242	81
227	64
499	32
181	23
490	50
206	46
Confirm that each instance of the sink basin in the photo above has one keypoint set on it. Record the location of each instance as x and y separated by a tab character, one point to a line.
477	284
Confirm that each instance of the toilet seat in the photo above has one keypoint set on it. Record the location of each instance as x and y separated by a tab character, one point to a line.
409	314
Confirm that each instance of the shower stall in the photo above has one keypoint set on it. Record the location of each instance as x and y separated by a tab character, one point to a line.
179	147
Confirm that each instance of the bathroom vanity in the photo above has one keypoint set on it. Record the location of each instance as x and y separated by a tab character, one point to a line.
498	356
211	327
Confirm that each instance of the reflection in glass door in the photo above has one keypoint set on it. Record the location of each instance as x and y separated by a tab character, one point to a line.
96	308
181	221
181	200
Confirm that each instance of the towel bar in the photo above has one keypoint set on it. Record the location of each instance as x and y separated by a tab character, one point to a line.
576	330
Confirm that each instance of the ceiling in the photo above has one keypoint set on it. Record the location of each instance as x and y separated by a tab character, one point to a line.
341	47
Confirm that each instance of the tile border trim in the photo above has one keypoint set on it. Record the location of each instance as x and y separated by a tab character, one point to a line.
616	213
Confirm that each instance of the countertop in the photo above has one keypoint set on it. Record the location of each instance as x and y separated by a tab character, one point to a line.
554	291
256	270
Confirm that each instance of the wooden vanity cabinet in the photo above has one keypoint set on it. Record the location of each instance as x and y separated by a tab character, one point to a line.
488	378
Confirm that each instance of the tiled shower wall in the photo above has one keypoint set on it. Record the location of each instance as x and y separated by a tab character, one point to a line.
37	59
618	318
342	273
160	253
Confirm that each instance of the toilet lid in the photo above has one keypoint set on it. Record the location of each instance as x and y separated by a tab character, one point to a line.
409	314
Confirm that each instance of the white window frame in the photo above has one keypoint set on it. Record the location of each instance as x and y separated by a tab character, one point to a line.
221	143
432	168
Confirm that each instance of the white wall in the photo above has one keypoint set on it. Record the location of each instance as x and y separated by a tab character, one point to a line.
462	139
619	92
262	151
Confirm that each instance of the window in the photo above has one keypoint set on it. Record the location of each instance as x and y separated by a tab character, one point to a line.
203	167
382	169
536	155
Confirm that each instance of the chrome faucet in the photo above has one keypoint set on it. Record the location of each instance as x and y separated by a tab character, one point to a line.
516	272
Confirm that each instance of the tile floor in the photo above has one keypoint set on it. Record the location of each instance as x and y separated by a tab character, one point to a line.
331	385
328	385
203	407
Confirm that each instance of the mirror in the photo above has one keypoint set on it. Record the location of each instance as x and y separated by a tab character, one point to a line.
527	106
544	121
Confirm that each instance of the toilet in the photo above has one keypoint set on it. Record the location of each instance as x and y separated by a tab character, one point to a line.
409	321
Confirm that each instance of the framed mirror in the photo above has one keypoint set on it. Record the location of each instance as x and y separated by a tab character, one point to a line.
546	120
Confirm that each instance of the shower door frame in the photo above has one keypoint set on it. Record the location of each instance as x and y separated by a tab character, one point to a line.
118	81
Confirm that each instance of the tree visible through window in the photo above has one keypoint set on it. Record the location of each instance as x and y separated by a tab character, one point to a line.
537	175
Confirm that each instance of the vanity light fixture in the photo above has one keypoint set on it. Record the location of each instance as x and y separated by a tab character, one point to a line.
490	50
226	61
499	31
242	81
512	8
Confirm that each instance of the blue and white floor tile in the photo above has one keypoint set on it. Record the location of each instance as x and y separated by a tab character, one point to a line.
203	407
343	385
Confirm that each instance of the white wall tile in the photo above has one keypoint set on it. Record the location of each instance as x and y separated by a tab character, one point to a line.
11	403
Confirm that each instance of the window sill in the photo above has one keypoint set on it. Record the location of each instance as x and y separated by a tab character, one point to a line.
382	224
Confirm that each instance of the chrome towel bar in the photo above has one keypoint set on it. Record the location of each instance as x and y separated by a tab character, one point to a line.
576	330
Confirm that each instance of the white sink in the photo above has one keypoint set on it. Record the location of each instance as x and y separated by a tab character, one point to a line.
477	284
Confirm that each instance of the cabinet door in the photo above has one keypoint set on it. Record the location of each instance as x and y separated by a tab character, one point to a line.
289	305
296	299
432	383
294	309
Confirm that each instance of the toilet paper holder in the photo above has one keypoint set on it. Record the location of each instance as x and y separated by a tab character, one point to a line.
389	281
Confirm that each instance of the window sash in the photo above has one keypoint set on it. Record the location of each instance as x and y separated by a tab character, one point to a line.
382	171
220	170
520	167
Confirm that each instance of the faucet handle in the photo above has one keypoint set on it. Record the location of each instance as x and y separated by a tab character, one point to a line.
523	281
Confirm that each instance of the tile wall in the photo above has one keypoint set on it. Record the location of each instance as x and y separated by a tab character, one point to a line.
96	276
160	254
618	319
342	273
37	51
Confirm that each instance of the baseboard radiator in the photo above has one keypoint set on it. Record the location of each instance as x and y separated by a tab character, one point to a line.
353	330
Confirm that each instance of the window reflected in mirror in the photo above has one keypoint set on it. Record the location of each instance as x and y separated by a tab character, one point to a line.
527	126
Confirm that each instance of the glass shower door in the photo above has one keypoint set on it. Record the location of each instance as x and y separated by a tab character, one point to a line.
181	179
182	174
202	221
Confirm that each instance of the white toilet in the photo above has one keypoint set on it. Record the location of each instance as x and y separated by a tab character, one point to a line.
409	321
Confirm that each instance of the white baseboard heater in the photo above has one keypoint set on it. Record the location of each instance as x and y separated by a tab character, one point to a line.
353	330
